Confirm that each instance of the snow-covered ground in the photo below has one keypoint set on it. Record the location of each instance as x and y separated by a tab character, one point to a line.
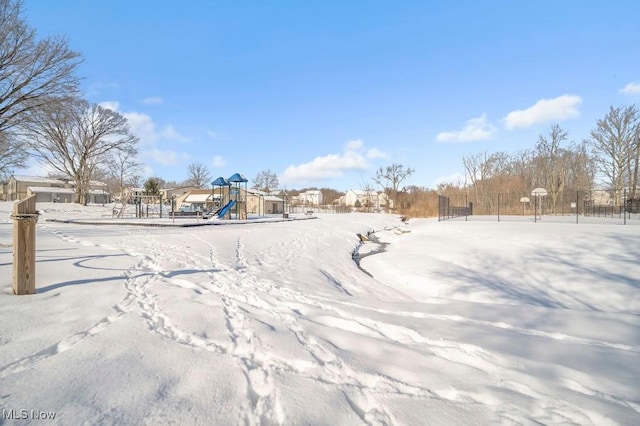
447	323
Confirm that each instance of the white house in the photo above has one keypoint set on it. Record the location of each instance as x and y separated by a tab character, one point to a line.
313	197
367	199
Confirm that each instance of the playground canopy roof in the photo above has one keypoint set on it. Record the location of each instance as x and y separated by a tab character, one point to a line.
237	178
220	182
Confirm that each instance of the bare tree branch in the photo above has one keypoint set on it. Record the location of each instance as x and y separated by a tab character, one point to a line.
75	137
33	74
199	175
616	143
266	181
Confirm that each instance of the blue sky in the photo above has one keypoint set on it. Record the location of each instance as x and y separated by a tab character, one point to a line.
324	93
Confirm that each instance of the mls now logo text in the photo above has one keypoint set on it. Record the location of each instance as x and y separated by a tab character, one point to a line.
27	415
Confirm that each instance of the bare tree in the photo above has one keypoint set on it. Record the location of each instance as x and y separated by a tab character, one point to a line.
12	154
74	138
391	177
368	198
33	74
123	169
266	181
199	175
616	144
553	162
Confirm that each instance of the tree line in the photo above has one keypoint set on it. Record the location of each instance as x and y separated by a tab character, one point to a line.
608	158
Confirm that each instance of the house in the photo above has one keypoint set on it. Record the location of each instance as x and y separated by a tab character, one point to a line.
17	187
308	198
130	194
260	202
366	199
169	193
52	190
51	194
3	191
600	197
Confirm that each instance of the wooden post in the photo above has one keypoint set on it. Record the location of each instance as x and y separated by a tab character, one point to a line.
24	218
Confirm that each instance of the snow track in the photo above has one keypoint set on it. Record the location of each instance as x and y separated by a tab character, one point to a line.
295	322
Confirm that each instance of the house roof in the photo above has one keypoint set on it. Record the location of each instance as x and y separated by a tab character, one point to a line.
50	190
36	179
273	198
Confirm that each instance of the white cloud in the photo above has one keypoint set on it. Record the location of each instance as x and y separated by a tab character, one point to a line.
545	110
474	129
375	153
165	157
112	105
456	179
153	100
36	169
631	89
169	132
143	126
354	145
218	161
147	171
212	134
330	166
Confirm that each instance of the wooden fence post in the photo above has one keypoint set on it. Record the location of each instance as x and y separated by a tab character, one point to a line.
24	218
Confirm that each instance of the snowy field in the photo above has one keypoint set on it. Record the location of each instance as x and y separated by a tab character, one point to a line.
450	323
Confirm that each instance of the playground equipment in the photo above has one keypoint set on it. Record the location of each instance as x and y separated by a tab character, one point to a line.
240	204
223	211
222	183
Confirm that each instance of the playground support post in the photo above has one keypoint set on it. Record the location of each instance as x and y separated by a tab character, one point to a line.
24	218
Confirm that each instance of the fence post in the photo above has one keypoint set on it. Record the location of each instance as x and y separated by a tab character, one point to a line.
24	218
577	204
624	206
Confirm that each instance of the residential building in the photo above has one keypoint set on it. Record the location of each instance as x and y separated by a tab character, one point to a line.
169	193
260	202
309	198
52	190
366	199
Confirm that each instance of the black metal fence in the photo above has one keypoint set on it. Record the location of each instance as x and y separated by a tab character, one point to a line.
448	211
595	203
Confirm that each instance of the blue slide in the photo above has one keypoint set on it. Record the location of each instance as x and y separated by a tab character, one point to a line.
226	208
